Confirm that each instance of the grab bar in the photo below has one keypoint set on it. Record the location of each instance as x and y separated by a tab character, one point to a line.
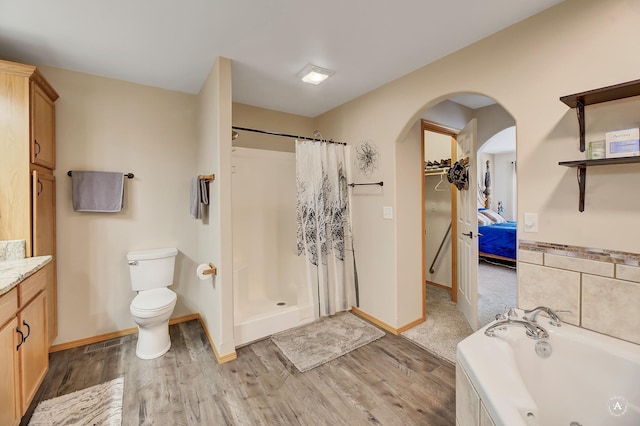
431	270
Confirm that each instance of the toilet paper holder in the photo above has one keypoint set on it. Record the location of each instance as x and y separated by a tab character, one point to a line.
211	271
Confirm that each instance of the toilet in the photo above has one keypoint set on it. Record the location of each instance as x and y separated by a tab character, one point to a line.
151	273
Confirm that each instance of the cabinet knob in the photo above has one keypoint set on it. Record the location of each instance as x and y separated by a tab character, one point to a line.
21	338
35	142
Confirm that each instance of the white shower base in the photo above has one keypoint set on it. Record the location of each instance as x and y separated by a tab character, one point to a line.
265	318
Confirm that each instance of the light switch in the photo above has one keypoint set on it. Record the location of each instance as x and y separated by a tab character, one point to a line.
531	222
387	212
433	207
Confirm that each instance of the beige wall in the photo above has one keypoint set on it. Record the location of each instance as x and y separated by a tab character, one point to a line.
214	232
525	68
110	125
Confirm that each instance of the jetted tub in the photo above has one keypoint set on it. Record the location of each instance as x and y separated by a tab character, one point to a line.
581	378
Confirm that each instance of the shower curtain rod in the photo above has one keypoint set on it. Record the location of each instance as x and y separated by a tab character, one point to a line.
285	135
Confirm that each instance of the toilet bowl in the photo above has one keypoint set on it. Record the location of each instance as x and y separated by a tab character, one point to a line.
151	273
151	310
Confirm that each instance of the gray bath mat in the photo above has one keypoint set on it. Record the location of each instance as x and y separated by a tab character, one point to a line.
97	405
331	337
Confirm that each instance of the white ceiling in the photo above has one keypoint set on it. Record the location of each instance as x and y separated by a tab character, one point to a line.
172	45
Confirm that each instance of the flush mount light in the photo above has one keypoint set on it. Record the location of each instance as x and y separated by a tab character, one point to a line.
314	74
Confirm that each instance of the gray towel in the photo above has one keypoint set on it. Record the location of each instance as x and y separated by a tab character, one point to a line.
195	198
204	194
97	191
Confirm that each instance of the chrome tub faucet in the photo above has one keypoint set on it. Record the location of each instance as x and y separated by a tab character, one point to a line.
533	330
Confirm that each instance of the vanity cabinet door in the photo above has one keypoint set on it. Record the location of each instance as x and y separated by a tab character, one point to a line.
33	353
9	391
43	152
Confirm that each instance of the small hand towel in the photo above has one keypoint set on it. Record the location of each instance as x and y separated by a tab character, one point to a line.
195	198
204	193
97	191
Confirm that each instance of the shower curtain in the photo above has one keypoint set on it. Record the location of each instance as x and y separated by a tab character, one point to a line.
323	227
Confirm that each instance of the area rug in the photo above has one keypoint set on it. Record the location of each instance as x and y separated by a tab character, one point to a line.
96	405
444	327
314	344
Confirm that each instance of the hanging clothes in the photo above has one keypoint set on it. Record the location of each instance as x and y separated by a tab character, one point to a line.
323	227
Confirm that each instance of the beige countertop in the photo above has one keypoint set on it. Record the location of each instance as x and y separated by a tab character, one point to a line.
13	272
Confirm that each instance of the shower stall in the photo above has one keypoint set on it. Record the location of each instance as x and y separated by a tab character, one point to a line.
265	261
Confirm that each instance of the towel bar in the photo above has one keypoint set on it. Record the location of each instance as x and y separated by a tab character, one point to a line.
129	175
207	177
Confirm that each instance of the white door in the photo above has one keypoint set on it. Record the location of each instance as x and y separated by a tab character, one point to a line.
467	220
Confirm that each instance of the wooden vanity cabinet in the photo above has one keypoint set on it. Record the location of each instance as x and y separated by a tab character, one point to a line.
24	346
9	367
27	144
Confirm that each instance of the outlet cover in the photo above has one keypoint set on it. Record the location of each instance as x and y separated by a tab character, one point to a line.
387	213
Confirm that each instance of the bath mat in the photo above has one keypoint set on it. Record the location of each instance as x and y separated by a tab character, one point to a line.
96	405
324	340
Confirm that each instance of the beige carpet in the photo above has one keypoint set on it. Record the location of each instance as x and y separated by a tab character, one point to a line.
314	344
444	327
496	290
96	405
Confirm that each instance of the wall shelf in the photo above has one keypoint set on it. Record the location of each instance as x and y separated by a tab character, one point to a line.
590	97
596	96
582	165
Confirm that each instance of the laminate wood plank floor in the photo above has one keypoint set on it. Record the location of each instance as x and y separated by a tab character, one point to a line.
390	381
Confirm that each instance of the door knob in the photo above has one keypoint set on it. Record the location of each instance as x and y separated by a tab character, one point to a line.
469	234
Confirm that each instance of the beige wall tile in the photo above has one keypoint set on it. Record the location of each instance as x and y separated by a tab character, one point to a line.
593	267
629	273
610	306
529	256
554	288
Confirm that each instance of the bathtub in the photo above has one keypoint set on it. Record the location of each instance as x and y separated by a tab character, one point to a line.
588	379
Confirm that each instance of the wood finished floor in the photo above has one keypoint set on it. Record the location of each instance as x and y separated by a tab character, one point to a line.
389	382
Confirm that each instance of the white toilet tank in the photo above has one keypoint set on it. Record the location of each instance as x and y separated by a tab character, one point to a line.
151	269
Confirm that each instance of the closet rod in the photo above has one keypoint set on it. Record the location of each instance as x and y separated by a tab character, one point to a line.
128	175
266	132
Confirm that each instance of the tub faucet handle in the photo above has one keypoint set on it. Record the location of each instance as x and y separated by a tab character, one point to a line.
512	314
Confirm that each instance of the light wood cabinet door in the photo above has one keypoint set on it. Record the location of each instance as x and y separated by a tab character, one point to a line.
9	390
44	240
43	130
44	213
33	353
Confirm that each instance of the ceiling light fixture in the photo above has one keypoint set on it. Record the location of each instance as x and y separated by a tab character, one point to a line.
314	74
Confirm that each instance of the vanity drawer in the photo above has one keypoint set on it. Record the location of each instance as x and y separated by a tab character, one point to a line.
29	288
8	306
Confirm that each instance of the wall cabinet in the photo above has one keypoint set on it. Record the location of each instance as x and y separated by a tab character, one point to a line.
23	345
27	143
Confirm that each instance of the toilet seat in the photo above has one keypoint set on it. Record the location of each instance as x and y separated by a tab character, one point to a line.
150	303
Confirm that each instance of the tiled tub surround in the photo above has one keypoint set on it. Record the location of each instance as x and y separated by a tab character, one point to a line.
12	250
13	272
600	287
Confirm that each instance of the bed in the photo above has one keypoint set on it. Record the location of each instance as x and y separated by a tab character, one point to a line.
498	241
497	236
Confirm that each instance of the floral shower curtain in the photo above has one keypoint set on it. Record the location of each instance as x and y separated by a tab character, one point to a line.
323	227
